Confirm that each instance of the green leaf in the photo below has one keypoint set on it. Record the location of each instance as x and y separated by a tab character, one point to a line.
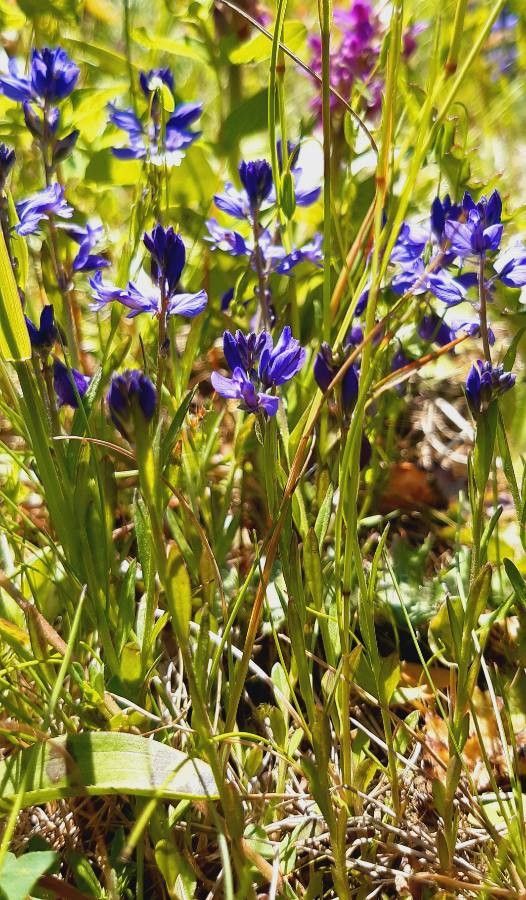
19	875
14	337
102	763
517	581
259	47
179	595
176	424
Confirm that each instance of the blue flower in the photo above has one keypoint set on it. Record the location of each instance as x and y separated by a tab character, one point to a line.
153	79
146	141
52	77
325	370
274	257
280	363
42	205
441	212
167	263
43	337
244	351
409	244
484	383
306	193
168	257
482	229
510	266
256	178
132	400
255	364
439	283
240	387
7	161
87	237
69	384
434	328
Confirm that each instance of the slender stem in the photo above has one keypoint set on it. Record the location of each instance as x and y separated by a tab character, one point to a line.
483	311
47	371
324	7
260	270
161	345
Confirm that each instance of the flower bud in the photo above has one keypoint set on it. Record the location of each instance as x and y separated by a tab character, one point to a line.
131	399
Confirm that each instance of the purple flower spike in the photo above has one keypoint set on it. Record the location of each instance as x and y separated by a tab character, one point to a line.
132	400
484	383
69	384
42	205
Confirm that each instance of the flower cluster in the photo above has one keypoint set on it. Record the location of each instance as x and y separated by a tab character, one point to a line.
148	137
355	57
263	248
484	383
257	367
159	294
51	78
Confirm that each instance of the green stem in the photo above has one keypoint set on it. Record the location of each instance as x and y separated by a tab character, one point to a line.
324	9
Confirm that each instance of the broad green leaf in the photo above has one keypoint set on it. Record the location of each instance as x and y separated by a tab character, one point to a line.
101	763
19	875
14	337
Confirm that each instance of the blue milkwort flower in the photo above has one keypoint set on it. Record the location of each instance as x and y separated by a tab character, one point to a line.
241	387
484	383
147	140
40	206
43	337
440	283
258	191
305	192
273	256
326	368
443	211
510	266
52	77
482	229
168	258
7	161
258	366
132	400
256	178
152	80
436	329
410	243
87	237
69	384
